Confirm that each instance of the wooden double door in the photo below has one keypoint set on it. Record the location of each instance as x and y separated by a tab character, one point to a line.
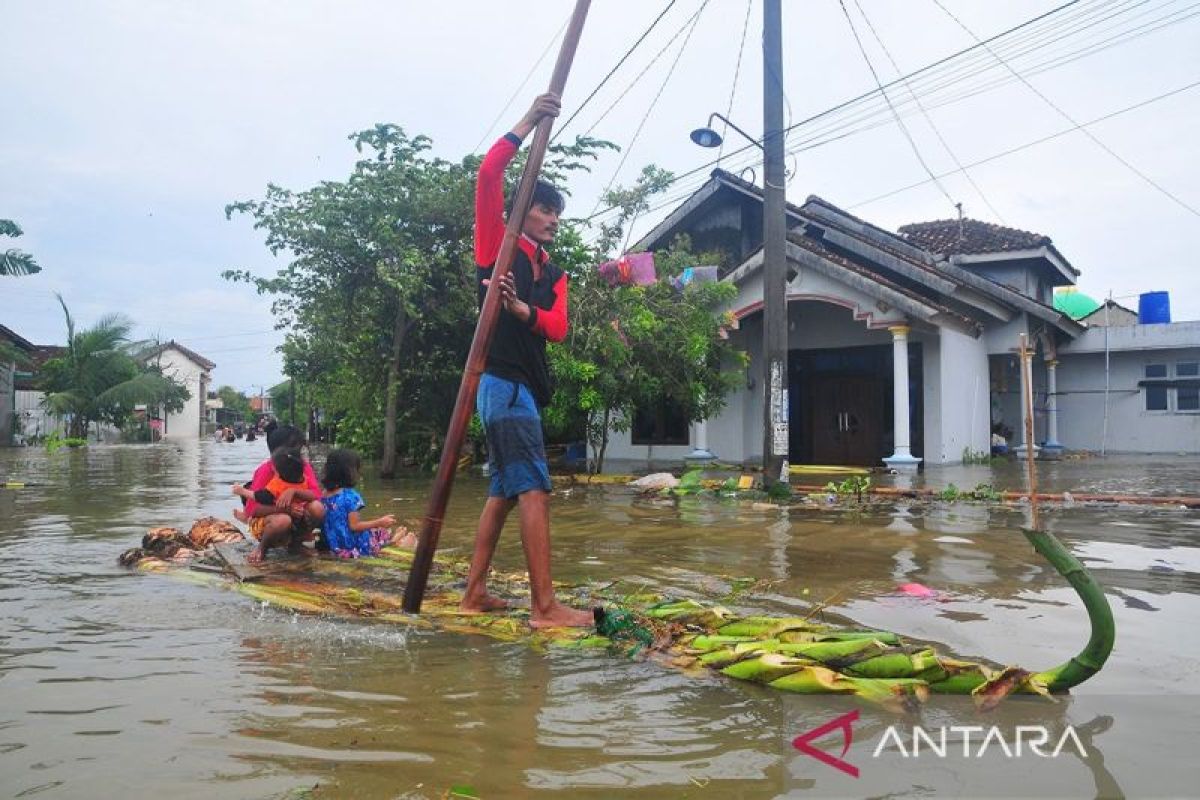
847	419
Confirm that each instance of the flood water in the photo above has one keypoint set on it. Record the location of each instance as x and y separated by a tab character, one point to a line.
122	684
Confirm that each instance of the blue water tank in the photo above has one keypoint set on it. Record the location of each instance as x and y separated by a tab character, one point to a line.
1154	308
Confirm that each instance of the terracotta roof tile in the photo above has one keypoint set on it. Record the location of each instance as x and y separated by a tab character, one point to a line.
970	237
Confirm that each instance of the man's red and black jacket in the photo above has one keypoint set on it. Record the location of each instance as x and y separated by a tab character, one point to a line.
518	351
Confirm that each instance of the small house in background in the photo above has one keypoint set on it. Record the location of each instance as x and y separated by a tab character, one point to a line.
1110	314
14	346
194	371
902	345
261	405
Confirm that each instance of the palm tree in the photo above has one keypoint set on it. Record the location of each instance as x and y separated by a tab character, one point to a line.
12	261
98	379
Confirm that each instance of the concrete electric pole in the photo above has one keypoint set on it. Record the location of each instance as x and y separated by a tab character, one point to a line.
775	329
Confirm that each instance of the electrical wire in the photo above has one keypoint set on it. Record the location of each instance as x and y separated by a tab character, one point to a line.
980	162
517	91
1096	140
827	117
737	69
689	21
870	94
929	119
904	128
1042	140
613	71
653	103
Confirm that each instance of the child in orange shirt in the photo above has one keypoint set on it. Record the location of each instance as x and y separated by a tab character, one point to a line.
286	509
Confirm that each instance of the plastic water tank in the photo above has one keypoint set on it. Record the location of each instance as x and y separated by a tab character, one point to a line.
1154	308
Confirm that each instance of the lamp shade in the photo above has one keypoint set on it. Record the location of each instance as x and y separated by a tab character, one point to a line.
706	137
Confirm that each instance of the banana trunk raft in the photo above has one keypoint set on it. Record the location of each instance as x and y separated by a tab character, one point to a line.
791	654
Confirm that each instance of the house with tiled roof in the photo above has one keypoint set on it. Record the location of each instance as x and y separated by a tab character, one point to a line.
901	345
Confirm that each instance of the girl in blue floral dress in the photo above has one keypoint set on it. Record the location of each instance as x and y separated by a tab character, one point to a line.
346	534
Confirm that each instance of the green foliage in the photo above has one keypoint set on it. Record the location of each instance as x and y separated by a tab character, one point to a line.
780	490
13	261
983	491
100	380
379	300
235	401
950	493
55	441
986	492
632	347
855	485
379	296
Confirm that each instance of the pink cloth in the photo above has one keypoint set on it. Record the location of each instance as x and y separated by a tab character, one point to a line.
266	471
631	268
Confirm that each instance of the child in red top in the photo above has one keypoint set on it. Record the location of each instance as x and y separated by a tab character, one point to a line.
285	509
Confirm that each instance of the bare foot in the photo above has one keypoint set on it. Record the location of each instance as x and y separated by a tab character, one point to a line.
482	605
240	515
560	616
404	538
256	556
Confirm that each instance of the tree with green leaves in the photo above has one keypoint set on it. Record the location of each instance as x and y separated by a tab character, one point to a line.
634	347
379	296
235	401
99	379
13	261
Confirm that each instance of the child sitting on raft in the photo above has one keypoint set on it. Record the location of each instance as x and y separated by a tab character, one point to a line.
286	509
345	532
277	436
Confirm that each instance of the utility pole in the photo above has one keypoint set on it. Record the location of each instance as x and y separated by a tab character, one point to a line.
775	329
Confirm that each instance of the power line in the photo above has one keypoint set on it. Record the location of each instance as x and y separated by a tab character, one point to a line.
830	131
1042	140
929	119
690	20
613	71
904	128
525	80
1031	39
1071	119
653	103
736	71
982	161
872	93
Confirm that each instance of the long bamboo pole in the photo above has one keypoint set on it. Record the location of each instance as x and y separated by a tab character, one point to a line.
443	482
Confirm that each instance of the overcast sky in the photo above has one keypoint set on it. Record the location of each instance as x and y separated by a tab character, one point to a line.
127	127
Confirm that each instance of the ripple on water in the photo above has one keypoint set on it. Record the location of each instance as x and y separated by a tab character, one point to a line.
101	666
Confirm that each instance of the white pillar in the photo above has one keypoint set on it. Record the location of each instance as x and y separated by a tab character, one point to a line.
1052	448
700	451
902	459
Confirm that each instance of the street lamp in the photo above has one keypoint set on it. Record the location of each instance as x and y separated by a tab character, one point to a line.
775	331
708	137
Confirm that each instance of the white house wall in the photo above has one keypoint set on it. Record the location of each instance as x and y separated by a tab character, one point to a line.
1131	428
186	423
961	387
35	420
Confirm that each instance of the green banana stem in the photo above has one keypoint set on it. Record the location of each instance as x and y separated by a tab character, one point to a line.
1104	630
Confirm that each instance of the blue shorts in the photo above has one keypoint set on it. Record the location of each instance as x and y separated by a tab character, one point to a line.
513	426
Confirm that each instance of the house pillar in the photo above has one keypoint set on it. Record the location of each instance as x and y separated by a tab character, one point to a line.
1051	448
700	451
902	459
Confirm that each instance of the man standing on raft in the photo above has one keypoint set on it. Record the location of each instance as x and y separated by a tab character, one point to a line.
516	381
